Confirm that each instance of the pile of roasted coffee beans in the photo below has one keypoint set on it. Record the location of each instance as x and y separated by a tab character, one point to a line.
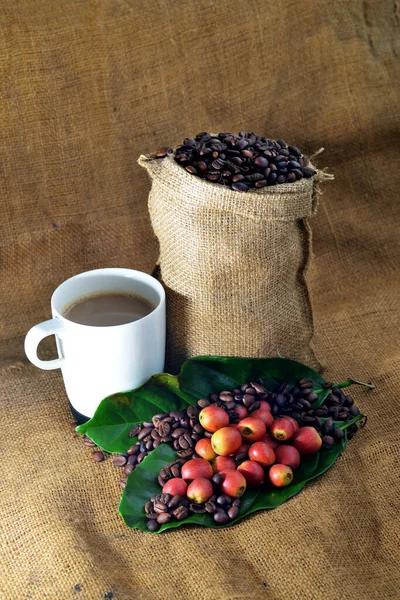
241	161
162	508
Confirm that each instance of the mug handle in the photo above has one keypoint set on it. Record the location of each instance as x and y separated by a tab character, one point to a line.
33	338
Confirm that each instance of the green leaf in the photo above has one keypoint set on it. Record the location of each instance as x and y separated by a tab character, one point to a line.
142	484
116	415
204	375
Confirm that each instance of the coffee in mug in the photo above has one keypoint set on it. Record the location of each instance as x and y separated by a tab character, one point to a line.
103	309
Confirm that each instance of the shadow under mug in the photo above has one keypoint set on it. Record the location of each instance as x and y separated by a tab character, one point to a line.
98	361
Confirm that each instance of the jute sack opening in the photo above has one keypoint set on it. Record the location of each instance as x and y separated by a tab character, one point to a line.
233	265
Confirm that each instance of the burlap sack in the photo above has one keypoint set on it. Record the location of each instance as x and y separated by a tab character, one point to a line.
234	265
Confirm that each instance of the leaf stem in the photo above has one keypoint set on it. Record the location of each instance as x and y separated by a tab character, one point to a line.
349	423
345	384
353	382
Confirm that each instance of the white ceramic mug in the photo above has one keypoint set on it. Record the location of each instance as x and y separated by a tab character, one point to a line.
99	361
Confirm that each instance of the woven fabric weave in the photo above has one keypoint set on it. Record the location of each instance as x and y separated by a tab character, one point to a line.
233	265
88	86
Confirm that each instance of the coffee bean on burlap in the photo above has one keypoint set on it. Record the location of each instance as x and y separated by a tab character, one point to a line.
97	456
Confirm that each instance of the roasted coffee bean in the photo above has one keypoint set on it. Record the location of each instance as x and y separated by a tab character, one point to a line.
223	500
337	392
226	396
354	410
163	152
221	517
208	434
241	457
198	509
178	432
132	460
119	461
141	456
248	400
188	438
156	443
328	426
133	450
343	416
239	186
328	441
166	439
165	498
185	453
318	422
217	479
165	473
338	434
203	403
144	433
236	502
161	480
349	401
334	411
192	411
181	513
183	443
198	428
163	518
128	469
176	414
97	456
233	512
308	420
164	428
152	525
260	161
175	471
321	411
155	435
254	406
135	430
184	421
122	482
148	507
159	507
298	173
174	502
88	442
152	515
210	507
308	172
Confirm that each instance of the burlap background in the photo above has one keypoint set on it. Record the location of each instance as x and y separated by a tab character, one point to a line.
88	86
234	266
